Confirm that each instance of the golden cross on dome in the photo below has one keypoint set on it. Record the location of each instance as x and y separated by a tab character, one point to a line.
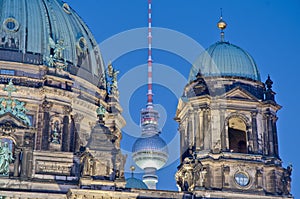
10	88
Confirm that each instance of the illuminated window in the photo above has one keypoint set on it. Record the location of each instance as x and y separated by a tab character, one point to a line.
7	72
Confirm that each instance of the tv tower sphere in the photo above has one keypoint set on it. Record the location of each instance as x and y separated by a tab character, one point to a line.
150	152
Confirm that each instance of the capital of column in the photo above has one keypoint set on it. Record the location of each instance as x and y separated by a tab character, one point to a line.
67	110
46	105
78	117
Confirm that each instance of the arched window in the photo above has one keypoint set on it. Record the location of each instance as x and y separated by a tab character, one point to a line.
237	135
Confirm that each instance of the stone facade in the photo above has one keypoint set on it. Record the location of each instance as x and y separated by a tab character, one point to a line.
61	122
228	139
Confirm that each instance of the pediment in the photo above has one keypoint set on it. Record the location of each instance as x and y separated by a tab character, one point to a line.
240	94
11	120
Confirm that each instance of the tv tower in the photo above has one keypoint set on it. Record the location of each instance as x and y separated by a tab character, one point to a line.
150	151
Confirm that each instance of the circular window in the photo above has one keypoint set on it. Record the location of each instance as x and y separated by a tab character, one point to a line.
82	45
11	25
67	8
242	179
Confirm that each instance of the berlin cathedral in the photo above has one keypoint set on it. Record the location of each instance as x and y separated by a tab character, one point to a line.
61	120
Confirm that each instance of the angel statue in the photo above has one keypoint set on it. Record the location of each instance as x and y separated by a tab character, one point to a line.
57	48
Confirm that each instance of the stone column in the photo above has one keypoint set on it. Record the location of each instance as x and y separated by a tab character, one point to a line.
201	130
77	120
254	132
183	147
207	135
45	134
24	164
270	133
66	130
17	162
223	130
72	134
276	150
197	129
265	143
191	130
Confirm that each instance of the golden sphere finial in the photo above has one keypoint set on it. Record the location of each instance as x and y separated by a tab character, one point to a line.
132	168
221	24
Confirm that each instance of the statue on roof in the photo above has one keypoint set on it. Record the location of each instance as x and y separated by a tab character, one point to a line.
5	159
113	79
56	59
58	48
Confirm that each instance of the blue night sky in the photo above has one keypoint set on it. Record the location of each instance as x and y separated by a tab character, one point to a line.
268	29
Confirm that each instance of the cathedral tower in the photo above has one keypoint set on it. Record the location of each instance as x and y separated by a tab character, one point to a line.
227	122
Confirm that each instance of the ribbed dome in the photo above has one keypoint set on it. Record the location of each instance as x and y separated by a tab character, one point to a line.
150	152
31	29
225	59
135	183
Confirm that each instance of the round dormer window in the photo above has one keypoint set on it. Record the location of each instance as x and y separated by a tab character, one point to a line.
242	179
67	8
11	25
82	44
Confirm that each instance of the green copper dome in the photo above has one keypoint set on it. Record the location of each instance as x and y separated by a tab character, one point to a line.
47	32
135	183
224	59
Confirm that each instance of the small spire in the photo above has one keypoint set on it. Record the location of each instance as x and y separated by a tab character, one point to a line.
269	93
132	169
222	25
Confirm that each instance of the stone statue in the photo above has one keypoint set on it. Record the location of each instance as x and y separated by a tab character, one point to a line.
287	180
120	164
113	84
5	159
87	164
115	79
55	133
188	180
179	182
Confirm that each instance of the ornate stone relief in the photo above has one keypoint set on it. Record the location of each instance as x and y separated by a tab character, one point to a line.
14	106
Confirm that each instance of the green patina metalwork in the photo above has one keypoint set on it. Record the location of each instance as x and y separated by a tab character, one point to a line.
56	59
101	111
13	106
5	159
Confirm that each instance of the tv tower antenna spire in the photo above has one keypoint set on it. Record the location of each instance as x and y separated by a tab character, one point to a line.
150	94
150	151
